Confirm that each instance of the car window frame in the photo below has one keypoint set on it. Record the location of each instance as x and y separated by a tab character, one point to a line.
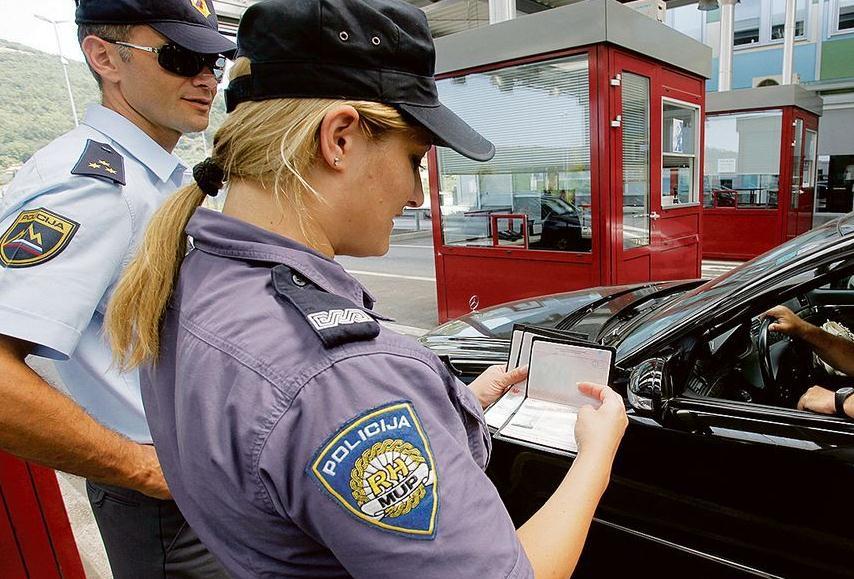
769	297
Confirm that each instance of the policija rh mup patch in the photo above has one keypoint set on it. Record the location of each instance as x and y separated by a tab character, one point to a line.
379	467
35	237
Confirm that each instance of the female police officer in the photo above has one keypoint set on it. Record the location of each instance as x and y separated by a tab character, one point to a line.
298	436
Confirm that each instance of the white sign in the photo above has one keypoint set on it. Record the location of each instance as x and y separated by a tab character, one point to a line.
726	166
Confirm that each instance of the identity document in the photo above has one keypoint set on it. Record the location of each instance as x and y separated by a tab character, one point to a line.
542	410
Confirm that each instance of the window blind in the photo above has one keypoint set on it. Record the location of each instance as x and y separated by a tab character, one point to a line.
537	115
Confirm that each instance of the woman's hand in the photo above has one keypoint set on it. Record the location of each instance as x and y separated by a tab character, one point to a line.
495	381
787	321
602	428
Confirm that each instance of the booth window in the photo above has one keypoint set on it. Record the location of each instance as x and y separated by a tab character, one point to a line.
797	162
742	160
535	193
679	145
810	141
844	15
763	21
635	125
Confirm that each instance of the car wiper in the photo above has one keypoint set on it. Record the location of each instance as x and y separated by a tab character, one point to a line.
571	319
623	313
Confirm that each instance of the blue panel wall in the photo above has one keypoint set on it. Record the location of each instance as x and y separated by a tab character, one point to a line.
747	64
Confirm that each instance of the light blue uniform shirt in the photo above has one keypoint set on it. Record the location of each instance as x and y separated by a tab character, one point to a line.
59	303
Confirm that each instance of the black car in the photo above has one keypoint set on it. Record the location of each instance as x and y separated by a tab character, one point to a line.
719	475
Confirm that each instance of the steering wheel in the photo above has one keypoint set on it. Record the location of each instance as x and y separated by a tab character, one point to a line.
766	365
783	388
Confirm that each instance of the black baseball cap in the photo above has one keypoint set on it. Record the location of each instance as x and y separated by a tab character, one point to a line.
373	50
190	24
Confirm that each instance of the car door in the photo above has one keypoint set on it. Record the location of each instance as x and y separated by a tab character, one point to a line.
658	517
770	485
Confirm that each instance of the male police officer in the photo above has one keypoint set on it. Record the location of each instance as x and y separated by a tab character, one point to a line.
69	222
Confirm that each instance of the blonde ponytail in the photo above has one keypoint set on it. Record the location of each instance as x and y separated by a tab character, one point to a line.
137	306
272	143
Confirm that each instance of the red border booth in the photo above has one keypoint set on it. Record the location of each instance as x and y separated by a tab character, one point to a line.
595	111
36	540
759	171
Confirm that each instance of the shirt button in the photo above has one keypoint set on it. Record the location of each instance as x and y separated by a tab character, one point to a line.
298	280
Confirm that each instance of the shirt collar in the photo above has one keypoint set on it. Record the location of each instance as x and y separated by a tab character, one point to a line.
219	234
134	140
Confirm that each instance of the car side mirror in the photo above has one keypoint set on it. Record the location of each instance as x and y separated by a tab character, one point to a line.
646	383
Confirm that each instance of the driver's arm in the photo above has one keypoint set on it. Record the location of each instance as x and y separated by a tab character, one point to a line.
836	351
821	400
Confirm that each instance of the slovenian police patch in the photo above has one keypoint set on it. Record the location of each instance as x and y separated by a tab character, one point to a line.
380	468
35	237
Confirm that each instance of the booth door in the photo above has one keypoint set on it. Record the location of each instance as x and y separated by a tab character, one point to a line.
803	165
634	208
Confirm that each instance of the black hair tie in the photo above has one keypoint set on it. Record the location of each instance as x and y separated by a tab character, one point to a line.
209	176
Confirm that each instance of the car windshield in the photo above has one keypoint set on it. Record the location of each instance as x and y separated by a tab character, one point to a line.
731	282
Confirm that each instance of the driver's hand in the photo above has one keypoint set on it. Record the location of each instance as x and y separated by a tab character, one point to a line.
787	321
818	399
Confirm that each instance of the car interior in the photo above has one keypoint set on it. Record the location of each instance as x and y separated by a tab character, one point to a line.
742	360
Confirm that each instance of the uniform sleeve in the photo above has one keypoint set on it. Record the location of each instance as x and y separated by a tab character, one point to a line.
373	461
62	245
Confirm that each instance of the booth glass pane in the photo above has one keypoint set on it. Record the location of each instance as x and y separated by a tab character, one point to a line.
742	160
538	117
809	157
679	143
679	129
747	22
677	181
635	126
797	161
778	18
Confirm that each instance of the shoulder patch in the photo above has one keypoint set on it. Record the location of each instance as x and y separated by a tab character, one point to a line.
101	160
380	469
35	237
335	319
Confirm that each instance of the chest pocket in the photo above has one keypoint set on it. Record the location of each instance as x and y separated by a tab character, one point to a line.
479	441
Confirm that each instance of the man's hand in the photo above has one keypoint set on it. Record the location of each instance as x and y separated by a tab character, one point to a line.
818	399
42	425
495	381
151	481
787	322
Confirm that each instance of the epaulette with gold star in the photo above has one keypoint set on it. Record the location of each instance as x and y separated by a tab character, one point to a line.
101	160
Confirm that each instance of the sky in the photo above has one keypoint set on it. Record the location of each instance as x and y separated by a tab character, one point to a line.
19	24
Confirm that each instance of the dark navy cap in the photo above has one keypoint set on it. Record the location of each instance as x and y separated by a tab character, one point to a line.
190	24
373	50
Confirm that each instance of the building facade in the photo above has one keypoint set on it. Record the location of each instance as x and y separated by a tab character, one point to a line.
823	61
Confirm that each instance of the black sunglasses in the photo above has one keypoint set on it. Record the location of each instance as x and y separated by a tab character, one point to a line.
181	61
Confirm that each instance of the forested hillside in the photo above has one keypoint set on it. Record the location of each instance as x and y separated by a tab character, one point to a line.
34	106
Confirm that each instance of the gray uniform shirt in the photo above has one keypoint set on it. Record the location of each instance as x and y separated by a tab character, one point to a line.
302	439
